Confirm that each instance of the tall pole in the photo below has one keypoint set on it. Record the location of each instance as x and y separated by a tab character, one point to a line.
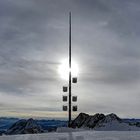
71	98
69	123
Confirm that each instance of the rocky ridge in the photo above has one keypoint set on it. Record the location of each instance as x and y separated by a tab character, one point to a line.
101	122
24	127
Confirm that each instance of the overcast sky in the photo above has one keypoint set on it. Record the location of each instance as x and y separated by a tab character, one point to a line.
105	44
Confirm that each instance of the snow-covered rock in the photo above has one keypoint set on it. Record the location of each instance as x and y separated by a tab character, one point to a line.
85	120
80	120
24	127
92	121
100	122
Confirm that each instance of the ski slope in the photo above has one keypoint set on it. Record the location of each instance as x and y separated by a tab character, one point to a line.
81	135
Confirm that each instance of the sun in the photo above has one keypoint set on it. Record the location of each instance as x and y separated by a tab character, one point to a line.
64	69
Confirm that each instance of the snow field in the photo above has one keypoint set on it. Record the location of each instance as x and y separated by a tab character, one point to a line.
81	135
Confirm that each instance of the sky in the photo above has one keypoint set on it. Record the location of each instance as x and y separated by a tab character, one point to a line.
105	45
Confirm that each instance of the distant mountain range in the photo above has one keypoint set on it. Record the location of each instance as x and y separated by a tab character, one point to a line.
19	126
101	122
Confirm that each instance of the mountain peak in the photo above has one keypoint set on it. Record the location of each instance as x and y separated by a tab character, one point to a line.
25	127
96	120
79	121
83	114
112	117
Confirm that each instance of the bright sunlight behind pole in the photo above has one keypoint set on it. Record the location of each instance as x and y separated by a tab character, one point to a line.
63	69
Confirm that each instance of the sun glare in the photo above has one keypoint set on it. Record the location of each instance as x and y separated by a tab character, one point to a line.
64	70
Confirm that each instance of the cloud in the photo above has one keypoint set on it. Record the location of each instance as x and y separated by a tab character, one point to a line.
105	42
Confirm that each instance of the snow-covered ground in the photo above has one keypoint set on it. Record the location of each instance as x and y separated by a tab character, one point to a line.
81	135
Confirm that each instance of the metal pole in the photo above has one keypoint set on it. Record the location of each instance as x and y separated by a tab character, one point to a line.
69	122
